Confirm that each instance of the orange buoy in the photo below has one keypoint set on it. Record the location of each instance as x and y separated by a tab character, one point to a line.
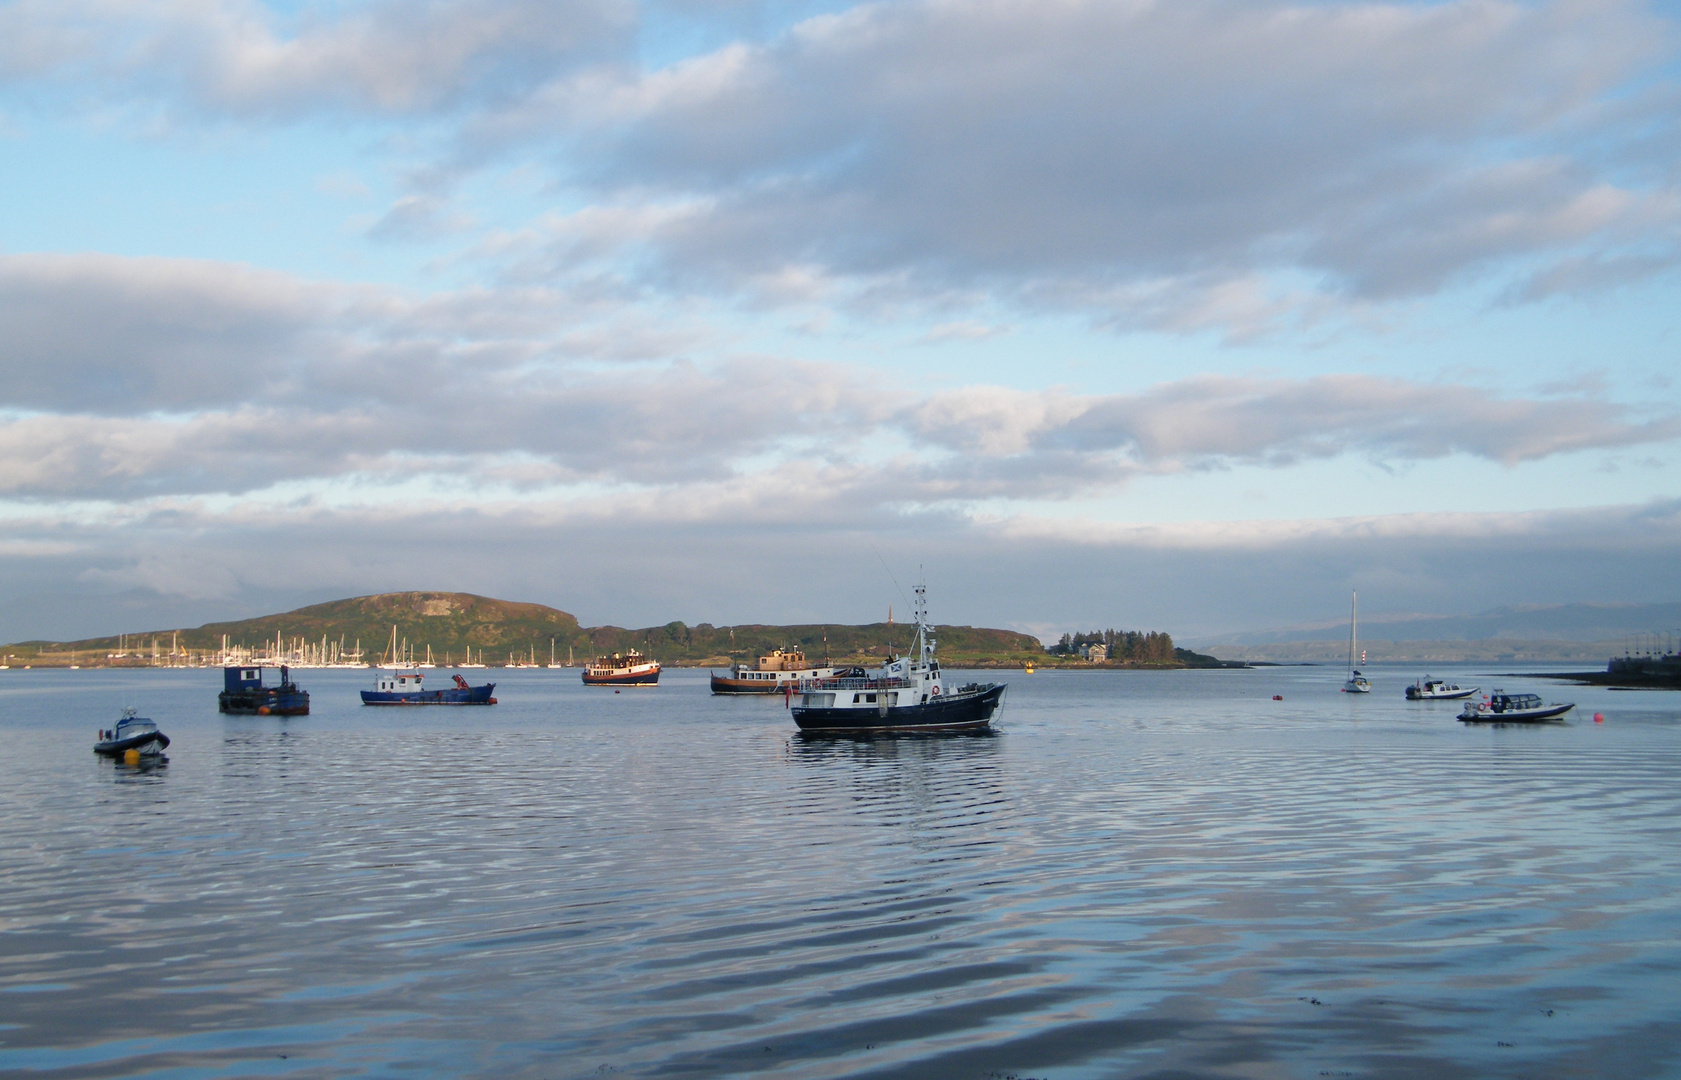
131	756
262	710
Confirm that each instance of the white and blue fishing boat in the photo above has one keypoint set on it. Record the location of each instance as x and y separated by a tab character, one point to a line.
402	687
908	693
244	694
132	733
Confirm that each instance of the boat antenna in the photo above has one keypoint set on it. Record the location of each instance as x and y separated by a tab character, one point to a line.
893	579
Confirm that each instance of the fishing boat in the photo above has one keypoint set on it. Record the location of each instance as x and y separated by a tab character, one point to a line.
769	674
908	693
244	694
1356	683
133	734
622	669
407	688
1503	708
1428	689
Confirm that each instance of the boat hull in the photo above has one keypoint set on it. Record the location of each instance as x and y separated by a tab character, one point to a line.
954	712
264	702
1515	716
627	678
152	742
454	695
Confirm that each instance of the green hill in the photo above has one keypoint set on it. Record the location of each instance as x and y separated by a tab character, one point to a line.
451	623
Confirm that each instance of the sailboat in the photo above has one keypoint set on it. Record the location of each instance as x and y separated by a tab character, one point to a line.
1356	683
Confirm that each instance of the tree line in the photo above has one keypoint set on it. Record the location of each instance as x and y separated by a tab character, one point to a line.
1122	645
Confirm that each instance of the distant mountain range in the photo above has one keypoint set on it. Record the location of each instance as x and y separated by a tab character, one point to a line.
451	623
1530	622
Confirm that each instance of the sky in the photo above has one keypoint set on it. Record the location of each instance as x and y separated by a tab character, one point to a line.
1193	316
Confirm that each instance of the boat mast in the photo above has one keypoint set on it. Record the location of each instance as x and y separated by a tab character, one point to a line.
1353	623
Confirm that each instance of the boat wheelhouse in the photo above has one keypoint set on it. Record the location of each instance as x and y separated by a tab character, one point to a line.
770	674
908	693
244	694
622	669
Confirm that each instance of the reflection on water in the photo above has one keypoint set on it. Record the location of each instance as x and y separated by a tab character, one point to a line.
1145	874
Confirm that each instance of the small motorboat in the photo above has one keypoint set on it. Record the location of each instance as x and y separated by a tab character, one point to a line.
1503	708
132	733
1428	689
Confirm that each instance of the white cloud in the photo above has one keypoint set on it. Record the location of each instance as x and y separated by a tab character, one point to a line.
1239	166
240	57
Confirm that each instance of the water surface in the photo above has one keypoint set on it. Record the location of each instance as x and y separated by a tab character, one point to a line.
1141	874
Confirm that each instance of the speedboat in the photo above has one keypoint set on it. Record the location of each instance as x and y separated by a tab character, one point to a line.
1428	689
134	733
1503	708
908	693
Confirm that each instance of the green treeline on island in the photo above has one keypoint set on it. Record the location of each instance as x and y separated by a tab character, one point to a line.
1119	646
499	632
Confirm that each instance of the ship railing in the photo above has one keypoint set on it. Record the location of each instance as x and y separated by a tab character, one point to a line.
810	685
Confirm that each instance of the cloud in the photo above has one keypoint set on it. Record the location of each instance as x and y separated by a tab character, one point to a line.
418	218
140	378
240	58
1211	420
1197	577
1207	164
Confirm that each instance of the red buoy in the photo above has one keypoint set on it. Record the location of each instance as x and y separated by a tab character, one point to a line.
1278	697
1599	718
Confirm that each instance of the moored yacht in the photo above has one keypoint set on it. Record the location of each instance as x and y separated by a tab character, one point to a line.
908	693
1356	683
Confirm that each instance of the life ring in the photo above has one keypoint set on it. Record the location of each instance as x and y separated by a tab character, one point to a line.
936	691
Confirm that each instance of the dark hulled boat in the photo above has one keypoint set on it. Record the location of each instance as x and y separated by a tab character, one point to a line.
906	694
406	688
244	694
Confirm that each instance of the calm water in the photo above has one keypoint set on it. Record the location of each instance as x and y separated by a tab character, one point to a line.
1142	874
